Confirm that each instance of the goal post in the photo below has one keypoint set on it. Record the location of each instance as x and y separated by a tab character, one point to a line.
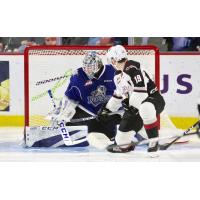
50	68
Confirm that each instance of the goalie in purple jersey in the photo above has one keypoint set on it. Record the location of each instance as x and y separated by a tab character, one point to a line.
90	88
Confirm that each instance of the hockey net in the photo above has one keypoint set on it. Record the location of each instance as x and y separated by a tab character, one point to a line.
50	68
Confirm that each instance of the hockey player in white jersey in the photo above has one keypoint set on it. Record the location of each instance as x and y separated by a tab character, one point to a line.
140	98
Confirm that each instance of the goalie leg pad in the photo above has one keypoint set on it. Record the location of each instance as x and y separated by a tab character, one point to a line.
98	140
42	136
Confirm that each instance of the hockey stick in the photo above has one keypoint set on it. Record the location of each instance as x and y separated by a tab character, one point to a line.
94	117
146	141
185	133
84	118
51	97
61	125
90	118
62	128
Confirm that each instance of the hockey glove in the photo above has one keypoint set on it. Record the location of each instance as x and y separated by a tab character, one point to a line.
103	114
54	113
64	112
125	104
127	107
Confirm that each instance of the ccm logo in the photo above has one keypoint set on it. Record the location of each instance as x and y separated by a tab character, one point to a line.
44	128
64	131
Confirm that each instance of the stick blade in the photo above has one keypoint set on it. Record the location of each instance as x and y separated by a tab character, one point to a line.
163	147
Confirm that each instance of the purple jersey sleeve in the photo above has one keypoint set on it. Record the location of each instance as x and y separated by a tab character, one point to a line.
73	92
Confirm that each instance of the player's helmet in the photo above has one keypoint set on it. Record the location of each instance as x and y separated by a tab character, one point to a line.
117	53
92	63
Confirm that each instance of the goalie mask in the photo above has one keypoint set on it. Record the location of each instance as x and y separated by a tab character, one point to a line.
92	63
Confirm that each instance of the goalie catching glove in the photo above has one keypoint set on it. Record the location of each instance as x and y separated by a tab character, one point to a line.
64	112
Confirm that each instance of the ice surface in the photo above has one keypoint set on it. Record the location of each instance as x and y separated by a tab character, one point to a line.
11	149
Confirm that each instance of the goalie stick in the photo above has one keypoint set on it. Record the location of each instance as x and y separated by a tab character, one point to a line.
63	131
91	117
81	119
94	117
51	97
185	133
62	128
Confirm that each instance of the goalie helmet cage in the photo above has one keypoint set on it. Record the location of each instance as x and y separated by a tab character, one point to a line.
49	68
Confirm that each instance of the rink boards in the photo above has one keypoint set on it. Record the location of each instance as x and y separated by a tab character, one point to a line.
179	86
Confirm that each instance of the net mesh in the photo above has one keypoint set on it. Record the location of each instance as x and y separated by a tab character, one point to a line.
83	52
51	69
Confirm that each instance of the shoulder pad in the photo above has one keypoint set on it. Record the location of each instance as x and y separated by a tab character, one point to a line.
132	64
75	72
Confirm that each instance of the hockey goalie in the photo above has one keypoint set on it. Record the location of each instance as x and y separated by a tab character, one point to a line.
74	121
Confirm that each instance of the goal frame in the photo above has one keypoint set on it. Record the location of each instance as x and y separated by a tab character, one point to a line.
26	66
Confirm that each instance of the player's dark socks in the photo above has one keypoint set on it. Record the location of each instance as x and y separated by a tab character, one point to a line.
152	132
114	148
